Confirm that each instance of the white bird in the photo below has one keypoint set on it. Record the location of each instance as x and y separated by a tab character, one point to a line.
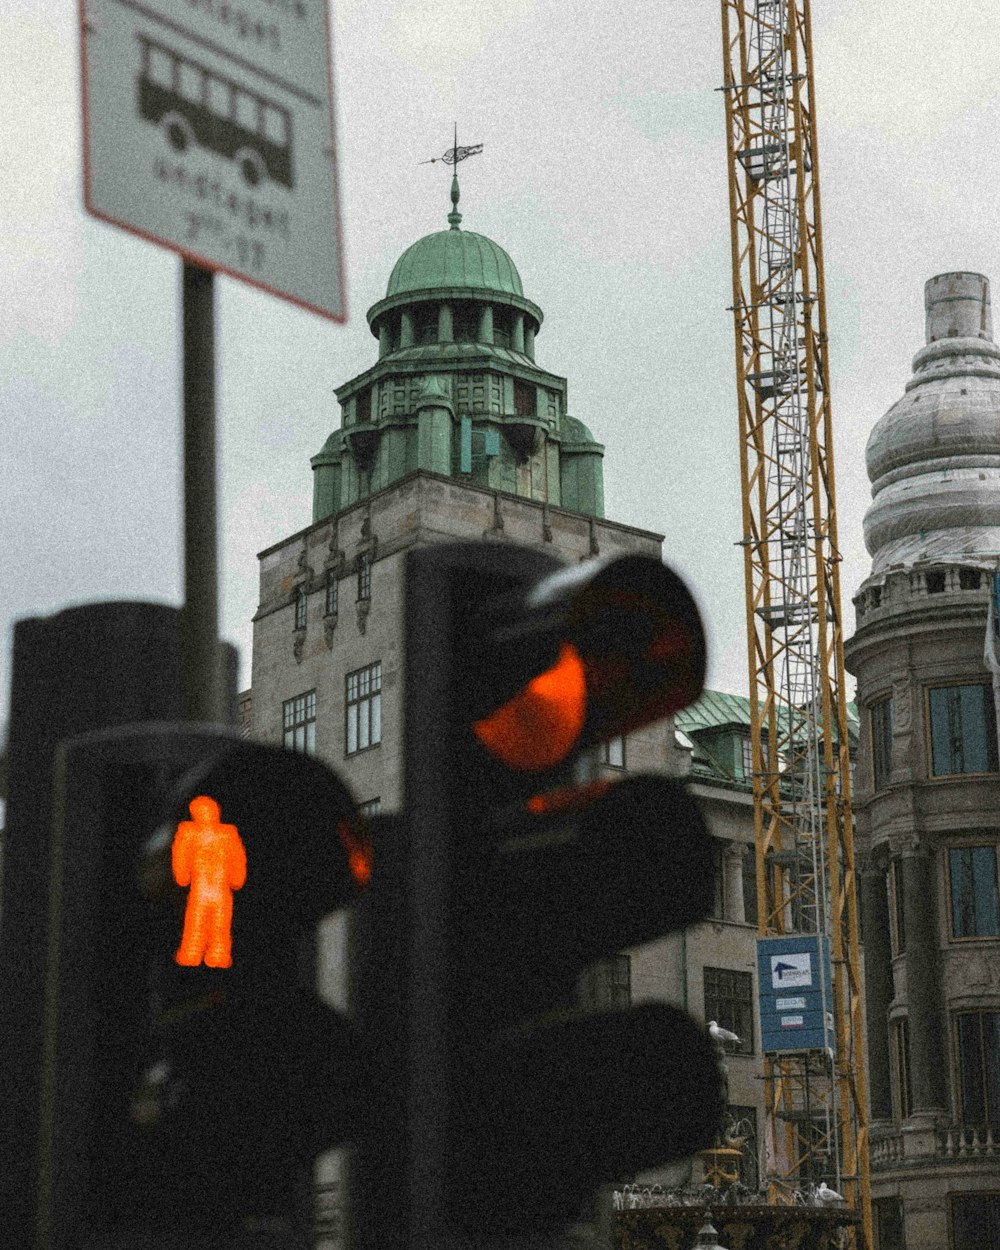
826	1194
719	1034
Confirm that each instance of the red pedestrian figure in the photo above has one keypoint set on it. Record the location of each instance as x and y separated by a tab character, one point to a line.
210	858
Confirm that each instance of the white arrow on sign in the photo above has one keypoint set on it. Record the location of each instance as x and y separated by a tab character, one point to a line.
791	970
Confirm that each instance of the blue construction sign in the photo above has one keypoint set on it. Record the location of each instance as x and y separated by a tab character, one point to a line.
795	993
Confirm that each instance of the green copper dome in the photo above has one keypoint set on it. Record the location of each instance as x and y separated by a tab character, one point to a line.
454	258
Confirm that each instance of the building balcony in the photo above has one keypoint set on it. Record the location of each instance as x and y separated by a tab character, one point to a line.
957	1142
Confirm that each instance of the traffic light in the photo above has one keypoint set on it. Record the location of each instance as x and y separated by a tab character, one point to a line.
190	1072
500	1105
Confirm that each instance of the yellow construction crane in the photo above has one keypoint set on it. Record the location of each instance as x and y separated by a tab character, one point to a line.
817	1116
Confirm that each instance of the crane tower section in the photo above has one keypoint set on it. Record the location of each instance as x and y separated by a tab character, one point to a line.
801	772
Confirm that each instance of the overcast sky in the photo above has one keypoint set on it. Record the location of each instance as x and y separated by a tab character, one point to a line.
604	176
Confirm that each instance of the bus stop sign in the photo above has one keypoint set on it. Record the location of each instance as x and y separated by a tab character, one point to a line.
208	128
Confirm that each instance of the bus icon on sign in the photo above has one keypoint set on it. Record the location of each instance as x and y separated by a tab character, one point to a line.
197	106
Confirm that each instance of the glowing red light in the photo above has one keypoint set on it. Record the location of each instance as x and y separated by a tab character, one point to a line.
568	798
537	728
359	853
210	858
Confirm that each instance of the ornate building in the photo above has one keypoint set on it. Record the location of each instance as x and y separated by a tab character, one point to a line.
928	792
456	432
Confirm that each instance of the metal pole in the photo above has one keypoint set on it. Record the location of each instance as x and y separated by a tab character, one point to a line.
201	675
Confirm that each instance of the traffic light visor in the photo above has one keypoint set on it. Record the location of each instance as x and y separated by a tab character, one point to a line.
628	648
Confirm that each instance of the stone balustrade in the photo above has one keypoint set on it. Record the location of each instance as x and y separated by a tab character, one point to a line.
957	1141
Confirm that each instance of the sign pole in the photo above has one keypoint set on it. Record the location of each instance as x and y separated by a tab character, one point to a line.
200	619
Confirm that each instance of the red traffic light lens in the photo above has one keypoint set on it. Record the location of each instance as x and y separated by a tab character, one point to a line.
539	726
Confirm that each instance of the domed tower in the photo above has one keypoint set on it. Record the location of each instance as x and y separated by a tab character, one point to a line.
927	797
456	389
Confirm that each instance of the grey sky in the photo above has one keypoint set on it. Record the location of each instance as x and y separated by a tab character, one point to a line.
603	175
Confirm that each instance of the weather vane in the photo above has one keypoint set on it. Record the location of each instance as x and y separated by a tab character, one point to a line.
451	158
455	154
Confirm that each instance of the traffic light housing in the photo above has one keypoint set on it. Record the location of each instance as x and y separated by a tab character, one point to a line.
502	1105
187	1093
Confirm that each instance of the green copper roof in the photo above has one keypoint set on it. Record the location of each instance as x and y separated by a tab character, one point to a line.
454	258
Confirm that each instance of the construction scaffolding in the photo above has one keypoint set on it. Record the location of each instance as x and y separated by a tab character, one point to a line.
816	1099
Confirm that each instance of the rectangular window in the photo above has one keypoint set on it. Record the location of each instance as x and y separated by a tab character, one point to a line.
364	576
978	1047
897	907
298	718
300	608
887	1216
275	125
881	725
729	1002
220	97
191	82
372	808
750	884
607	984
161	66
525	403
746	757
465	322
248	110
332	588
613	752
900	1035
741	1122
975	1221
502	323
364	708
975	905
963	730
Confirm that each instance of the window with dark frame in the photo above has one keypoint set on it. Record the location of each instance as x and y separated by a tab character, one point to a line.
364	576
977	1036
729	1002
935	582
300	608
749	870
465	322
900	1037
963	729
363	405
613	752
525	403
298	722
425	324
888	1220
503	321
719	869
882	721
332	591
363	709
973	888
969	579
897	907
975	1221
746	757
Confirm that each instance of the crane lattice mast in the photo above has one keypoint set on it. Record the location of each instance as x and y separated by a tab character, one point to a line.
801	770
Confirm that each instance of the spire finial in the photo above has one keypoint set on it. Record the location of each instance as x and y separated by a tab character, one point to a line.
452	157
454	217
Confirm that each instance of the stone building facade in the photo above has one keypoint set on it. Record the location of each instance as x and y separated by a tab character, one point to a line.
927	799
457	433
